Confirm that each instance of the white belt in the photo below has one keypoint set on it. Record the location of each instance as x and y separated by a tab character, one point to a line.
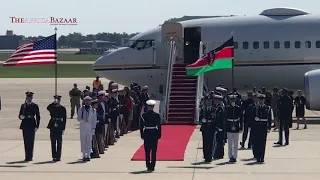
58	119
204	120
114	109
258	119
29	116
151	127
238	119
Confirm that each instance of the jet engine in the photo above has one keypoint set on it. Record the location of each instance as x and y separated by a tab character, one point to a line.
312	89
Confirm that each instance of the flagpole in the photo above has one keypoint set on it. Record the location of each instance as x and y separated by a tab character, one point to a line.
56	67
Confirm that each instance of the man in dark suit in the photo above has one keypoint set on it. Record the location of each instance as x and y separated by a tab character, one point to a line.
57	125
30	120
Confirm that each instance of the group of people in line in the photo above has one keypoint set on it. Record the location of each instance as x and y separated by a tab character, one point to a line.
225	115
104	116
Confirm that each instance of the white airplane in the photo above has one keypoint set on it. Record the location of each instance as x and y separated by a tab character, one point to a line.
279	47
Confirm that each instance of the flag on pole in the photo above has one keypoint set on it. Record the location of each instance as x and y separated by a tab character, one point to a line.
39	52
219	58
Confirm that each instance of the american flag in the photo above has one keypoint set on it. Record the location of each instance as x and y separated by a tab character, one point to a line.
35	53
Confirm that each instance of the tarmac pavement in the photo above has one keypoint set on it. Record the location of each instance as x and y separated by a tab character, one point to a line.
299	160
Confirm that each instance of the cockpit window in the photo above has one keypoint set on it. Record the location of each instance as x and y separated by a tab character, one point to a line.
142	44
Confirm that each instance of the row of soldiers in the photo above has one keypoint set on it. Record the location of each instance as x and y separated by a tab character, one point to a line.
224	116
103	117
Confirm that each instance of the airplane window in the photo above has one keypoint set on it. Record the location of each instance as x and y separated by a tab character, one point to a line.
308	44
235	45
297	44
276	44
255	45
140	44
129	43
287	44
245	45
317	44
149	43
266	44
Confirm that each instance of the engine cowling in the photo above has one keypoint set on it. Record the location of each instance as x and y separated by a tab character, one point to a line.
312	89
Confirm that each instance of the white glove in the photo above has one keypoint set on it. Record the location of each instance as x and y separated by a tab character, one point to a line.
93	131
109	120
21	117
62	132
35	129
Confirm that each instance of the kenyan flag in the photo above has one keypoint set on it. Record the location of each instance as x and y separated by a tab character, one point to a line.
219	58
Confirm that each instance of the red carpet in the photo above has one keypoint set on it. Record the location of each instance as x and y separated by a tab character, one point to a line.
172	145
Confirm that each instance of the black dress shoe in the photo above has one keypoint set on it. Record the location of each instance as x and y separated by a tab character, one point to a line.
278	143
287	143
57	159
54	159
84	159
88	159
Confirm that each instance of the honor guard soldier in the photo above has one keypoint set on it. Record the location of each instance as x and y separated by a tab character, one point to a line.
113	111
57	125
100	128
123	111
246	107
150	131
207	116
261	127
285	113
75	96
219	138
30	116
95	142
234	126
88	120
221	91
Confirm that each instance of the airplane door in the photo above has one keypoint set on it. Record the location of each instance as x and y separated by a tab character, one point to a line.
192	38
173	32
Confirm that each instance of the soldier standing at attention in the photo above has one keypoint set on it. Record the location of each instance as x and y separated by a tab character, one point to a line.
100	128
261	127
206	117
150	131
113	111
274	101
300	103
234	126
57	125
30	116
247	120
96	83
75	95
219	138
88	120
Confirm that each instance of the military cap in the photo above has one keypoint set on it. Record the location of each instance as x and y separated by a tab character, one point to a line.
29	93
220	89
233	96
87	98
151	102
299	90
106	94
121	89
254	94
126	88
114	90
94	101
261	96
101	93
145	88
216	96
57	96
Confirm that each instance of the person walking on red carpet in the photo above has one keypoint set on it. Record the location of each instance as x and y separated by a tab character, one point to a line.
150	131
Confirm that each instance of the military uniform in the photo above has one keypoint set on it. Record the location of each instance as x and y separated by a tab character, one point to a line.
300	103
124	113
219	136
57	125
261	126
75	96
113	111
234	126
247	120
100	128
150	131
207	118
95	139
144	98
30	116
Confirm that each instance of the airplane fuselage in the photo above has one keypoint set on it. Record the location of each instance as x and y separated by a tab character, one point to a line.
270	50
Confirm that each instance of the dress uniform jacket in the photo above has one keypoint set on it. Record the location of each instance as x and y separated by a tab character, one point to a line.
58	118
100	119
30	116
144	98
234	122
113	111
150	121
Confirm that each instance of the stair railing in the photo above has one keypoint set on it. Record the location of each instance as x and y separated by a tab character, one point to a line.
200	84
171	61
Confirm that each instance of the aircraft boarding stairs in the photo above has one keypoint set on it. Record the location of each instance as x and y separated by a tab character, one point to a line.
183	93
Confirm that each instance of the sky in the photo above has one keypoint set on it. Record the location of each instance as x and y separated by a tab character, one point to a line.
129	16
